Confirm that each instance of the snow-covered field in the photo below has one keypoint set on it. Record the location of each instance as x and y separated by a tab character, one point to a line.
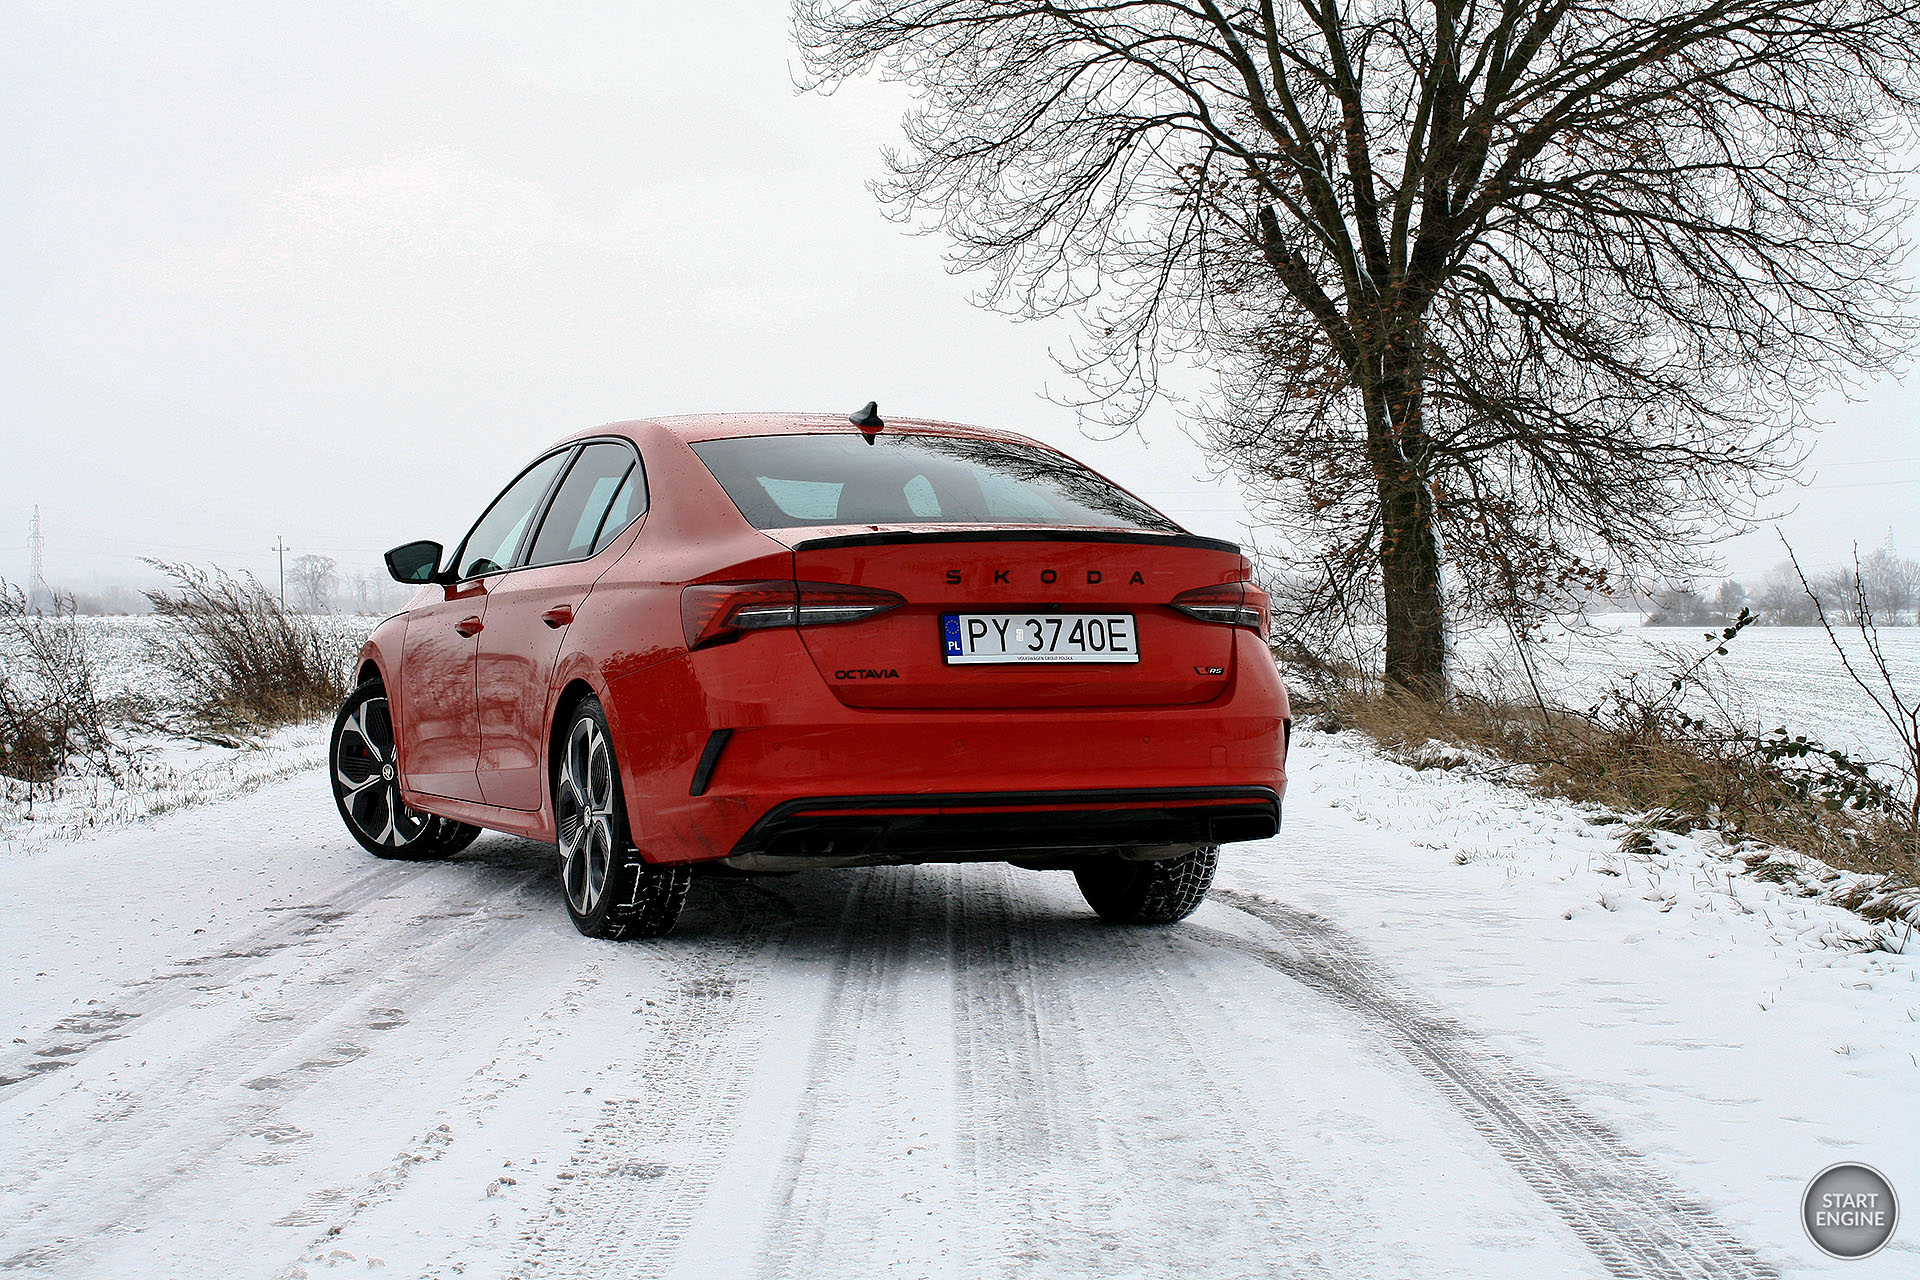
1436	1028
1771	676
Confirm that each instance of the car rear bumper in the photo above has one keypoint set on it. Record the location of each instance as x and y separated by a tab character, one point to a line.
780	768
942	828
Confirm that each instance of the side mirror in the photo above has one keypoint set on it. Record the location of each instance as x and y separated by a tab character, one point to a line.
415	563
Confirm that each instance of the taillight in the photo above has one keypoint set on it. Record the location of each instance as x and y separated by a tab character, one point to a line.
1235	604
713	612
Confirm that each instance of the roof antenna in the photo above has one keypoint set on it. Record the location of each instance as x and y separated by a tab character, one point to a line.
868	420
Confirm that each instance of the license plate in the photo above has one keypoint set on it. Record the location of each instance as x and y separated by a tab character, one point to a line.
1039	637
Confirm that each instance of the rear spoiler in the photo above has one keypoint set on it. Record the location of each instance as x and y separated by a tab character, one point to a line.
1136	537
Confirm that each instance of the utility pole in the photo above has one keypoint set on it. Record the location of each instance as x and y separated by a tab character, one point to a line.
280	545
37	581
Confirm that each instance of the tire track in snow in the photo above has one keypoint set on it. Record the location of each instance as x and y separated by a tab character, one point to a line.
339	1209
1279	1193
642	1173
106	1019
833	1184
192	1107
1635	1220
1098	1133
1007	1078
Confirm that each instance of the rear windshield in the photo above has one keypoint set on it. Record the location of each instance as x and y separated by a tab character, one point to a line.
780	482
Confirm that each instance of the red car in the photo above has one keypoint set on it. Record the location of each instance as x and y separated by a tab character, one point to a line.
789	641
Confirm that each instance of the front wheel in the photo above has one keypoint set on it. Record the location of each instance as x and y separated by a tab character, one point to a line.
1124	892
366	785
610	892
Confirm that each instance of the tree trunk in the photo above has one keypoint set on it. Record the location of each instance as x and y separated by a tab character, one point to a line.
1416	660
1410	576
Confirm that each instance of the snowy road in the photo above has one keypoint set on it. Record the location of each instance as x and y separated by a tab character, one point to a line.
239	1047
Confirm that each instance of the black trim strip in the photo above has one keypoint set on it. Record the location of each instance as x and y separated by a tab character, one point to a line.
1052	799
703	772
1088	817
1140	538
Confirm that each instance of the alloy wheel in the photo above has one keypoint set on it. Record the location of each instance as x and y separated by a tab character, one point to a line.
367	778
583	809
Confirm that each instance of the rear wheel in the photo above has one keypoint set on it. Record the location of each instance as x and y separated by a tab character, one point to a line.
366	785
610	892
1125	892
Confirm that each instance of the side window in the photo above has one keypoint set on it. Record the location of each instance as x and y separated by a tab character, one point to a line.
592	504
629	504
490	547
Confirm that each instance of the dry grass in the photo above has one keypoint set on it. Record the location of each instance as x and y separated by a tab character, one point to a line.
1635	758
238	659
52	712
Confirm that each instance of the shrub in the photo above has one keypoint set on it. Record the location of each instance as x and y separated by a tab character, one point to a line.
237	658
52	712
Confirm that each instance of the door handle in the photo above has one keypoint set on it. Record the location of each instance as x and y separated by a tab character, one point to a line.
558	616
469	627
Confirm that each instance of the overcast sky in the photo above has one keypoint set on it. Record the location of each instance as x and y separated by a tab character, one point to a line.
335	272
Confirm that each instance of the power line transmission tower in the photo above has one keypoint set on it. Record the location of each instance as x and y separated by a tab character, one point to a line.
280	545
37	581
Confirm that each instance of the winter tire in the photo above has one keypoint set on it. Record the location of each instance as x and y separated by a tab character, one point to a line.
610	892
366	785
1124	892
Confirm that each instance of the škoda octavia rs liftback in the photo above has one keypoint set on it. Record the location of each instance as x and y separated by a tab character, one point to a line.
786	641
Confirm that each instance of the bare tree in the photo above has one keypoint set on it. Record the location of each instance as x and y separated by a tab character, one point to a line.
313	579
1510	296
1891	583
1729	600
1779	600
1835	591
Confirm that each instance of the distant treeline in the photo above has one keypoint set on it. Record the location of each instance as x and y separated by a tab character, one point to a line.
315	584
1889	585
